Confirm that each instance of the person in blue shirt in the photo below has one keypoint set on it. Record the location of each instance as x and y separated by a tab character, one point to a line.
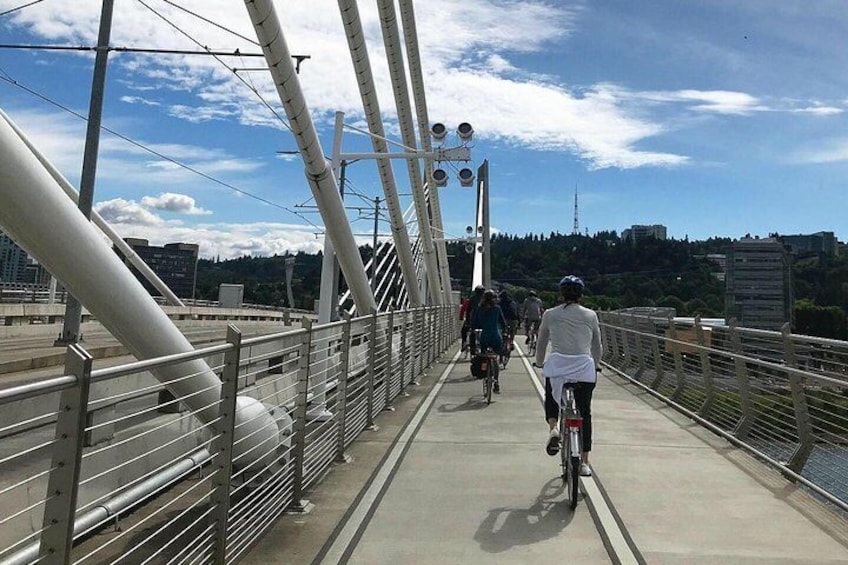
489	318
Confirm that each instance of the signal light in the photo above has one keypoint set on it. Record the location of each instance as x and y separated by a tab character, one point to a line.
466	177
438	131
440	177
465	131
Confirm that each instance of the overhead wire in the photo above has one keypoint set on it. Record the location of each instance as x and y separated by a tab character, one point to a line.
235	74
8	78
33	3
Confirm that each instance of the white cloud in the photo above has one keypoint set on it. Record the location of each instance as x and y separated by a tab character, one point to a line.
120	211
139	100
833	151
177	203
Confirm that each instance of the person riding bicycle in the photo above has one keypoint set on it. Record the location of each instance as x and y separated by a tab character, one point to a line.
532	309
468	314
510	314
576	350
489	318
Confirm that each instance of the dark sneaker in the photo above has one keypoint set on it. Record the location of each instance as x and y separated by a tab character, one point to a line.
497	388
553	444
527	341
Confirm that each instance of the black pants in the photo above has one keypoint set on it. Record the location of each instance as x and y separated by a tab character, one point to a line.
583	399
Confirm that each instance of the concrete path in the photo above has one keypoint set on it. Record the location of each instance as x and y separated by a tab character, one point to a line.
451	480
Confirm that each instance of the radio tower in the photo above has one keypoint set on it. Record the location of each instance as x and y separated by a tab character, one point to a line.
576	229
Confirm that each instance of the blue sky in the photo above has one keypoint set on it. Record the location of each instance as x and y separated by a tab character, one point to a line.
713	118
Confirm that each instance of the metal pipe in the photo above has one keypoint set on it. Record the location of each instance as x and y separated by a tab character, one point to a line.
72	249
410	34
112	508
98	220
318	173
391	39
73	307
371	106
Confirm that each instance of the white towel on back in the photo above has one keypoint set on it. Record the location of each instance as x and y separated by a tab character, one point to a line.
561	369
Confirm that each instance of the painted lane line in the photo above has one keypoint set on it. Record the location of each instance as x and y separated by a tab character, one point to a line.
611	530
348	536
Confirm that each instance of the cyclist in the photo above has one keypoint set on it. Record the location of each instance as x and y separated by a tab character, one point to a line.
532	309
510	314
467	314
489	318
575	338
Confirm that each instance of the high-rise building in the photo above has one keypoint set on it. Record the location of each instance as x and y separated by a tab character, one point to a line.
759	284
13	261
819	242
638	232
175	264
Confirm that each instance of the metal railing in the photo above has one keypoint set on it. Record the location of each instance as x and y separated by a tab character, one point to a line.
156	484
781	396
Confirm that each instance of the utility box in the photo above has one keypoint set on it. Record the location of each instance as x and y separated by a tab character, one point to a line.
230	295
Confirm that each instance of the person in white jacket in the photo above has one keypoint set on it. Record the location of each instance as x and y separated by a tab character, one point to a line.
575	337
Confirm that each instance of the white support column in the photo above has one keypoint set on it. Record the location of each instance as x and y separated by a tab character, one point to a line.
371	105
397	69
321	181
410	34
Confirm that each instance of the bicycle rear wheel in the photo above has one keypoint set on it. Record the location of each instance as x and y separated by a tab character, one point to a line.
490	378
574	481
564	449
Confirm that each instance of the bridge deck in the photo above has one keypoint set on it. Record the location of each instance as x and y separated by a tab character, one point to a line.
450	480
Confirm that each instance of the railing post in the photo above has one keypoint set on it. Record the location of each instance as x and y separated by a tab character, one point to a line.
387	374
63	483
706	370
659	371
300	504
639	352
678	362
341	403
222	446
372	369
404	352
418	357
799	403
741	367
616	327
625	338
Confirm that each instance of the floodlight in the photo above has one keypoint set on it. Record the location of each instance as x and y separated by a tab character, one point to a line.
466	177
469	248
465	131
440	177
469	230
438	131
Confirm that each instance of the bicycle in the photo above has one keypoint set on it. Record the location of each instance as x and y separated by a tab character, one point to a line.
507	350
532	336
570	430
489	365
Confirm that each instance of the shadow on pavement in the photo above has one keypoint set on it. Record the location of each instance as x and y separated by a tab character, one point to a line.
475	402
504	528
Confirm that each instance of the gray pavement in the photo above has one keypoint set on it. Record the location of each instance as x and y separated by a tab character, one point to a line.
469	483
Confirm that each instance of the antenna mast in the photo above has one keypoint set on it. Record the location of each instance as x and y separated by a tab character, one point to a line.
576	229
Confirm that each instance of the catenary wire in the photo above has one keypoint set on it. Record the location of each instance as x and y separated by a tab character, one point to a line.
7	78
20	7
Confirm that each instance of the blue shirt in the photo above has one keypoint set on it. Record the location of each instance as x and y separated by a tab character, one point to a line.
492	323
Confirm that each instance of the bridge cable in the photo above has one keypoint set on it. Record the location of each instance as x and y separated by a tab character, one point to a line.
20	7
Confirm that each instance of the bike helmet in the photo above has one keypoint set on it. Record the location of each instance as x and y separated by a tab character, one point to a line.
571	280
504	294
571	287
532	293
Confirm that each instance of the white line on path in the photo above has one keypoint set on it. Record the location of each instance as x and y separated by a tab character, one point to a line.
343	540
617	542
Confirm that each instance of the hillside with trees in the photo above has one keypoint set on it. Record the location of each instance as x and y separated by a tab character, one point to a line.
618	274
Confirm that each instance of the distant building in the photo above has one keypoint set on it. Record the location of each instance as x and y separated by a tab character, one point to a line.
13	261
175	264
759	284
636	233
721	260
820	242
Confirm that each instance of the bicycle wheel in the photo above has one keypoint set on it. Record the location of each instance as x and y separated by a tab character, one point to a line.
564	448
574	481
490	378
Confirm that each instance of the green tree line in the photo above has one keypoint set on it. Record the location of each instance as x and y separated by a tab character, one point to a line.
618	274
